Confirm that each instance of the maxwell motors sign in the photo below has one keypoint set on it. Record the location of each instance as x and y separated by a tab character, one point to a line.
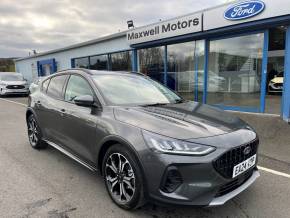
170	28
243	10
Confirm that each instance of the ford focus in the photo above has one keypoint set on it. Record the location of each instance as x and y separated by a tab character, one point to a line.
147	142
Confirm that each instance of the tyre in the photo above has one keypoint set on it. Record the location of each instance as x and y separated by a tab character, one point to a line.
34	133
123	178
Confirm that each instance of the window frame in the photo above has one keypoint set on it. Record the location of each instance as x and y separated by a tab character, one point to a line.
62	91
95	97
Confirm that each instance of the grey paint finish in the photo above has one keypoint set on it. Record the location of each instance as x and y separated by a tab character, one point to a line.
83	131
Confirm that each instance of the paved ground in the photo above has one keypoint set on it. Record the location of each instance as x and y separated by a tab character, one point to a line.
48	184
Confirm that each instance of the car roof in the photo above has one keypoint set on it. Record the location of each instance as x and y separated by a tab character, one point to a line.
100	72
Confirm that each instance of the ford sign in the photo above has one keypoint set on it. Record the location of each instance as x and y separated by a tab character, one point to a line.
243	10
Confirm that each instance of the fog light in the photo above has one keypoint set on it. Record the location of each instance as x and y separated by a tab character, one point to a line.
172	179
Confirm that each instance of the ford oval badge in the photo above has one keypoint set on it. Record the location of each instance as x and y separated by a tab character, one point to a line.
243	10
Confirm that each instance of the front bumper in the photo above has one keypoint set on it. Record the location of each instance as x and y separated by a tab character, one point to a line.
275	88
202	184
223	199
5	91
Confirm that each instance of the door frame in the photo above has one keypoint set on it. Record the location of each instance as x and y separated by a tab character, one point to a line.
261	107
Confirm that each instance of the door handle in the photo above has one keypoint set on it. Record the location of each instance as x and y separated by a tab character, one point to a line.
62	111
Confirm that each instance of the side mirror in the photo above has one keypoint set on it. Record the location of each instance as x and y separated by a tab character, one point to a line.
84	101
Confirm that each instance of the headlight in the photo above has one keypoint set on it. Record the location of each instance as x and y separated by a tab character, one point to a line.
168	145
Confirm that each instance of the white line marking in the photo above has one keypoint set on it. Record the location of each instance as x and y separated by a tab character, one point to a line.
13	102
258	114
259	167
274	172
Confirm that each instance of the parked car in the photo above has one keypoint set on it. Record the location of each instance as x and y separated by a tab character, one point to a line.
13	84
34	85
276	84
148	143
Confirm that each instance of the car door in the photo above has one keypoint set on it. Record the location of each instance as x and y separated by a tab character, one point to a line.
49	108
78	123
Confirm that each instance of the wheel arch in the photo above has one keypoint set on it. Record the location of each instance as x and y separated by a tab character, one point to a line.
113	140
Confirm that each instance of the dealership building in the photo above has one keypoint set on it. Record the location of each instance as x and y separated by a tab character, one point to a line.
235	56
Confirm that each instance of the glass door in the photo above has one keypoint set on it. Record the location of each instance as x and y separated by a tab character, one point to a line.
234	74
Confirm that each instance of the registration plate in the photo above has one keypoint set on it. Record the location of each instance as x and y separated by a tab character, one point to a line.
244	166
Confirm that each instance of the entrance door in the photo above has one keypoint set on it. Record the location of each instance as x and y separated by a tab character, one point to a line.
275	70
234	74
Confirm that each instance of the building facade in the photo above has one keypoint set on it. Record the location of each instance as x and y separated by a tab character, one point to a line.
235	56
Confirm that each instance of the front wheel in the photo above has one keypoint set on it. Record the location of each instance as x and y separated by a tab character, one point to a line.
123	178
34	133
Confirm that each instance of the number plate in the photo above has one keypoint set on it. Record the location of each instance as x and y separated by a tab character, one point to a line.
244	166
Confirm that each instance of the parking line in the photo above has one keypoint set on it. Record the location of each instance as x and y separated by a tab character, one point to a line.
13	102
274	172
259	167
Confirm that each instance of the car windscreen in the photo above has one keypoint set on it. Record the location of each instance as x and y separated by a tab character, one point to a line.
11	77
133	90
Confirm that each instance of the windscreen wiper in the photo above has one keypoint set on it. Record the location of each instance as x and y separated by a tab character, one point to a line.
154	104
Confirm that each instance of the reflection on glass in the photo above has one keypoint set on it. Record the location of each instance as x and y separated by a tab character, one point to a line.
199	60
180	69
99	62
275	69
234	71
182	62
82	62
121	61
151	62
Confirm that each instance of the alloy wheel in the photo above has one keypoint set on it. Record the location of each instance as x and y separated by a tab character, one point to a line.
32	131
120	178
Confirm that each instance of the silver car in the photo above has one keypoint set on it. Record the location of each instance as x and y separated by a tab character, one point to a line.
34	85
13	84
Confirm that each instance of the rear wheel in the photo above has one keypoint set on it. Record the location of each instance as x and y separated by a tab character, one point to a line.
34	133
123	178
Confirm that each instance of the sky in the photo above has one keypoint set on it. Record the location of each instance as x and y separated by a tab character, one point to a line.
49	24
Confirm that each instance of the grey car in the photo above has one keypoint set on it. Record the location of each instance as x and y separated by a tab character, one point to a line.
147	142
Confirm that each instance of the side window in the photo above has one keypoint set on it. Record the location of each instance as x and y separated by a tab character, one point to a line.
55	86
45	85
77	86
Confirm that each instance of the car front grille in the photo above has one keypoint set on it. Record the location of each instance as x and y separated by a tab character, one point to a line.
15	87
278	85
225	163
230	186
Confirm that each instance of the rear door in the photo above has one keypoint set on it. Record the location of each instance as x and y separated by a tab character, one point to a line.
49	108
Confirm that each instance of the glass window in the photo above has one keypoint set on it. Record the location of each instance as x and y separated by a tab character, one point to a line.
151	62
121	61
277	38
133	90
45	84
275	69
82	62
234	71
199	61
77	86
11	77
185	68
99	62
55	86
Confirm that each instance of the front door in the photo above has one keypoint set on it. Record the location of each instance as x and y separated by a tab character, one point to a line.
79	124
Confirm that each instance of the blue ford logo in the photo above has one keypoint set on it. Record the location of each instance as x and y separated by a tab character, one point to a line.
243	10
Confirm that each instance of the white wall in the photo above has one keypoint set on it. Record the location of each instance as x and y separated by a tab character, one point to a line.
28	67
